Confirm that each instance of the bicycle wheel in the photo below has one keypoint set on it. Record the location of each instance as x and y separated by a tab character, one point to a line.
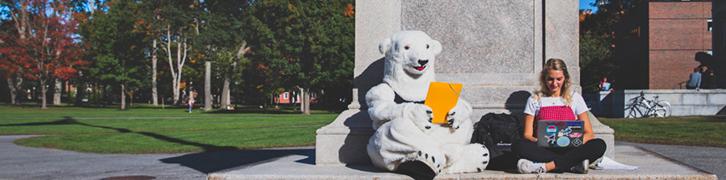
662	109
631	112
635	111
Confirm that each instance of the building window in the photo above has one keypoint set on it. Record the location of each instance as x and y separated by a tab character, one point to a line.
709	24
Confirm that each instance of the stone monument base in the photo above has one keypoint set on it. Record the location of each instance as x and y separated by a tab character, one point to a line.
343	142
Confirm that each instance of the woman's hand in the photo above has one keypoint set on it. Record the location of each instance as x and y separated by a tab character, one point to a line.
589	134
530	138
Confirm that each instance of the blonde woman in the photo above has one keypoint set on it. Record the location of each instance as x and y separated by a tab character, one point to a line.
555	100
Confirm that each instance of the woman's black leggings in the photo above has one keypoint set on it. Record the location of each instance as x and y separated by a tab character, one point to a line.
564	158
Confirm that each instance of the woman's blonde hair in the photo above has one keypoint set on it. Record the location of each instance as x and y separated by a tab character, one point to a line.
554	64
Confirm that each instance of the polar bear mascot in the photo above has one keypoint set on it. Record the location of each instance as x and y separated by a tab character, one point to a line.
405	139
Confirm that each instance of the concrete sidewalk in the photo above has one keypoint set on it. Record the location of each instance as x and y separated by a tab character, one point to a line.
711	159
652	166
18	162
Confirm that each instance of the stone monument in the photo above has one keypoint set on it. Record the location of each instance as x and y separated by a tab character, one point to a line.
495	48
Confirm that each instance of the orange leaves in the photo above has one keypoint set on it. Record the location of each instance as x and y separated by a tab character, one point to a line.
262	67
80	17
349	10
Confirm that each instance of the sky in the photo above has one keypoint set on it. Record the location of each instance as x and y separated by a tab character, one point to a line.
587	4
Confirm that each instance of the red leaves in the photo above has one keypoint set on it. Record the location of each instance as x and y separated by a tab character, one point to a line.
47	48
65	73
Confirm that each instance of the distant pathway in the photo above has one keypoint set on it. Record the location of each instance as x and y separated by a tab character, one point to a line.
20	162
711	159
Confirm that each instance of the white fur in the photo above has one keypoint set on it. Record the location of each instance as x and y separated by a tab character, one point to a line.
403	131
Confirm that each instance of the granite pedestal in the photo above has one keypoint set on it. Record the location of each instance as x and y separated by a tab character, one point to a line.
495	48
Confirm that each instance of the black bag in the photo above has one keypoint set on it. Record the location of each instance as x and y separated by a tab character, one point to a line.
497	132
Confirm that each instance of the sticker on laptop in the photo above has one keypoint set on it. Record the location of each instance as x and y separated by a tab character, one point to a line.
551	129
563	141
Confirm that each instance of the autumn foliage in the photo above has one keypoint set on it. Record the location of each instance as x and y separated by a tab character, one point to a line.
42	46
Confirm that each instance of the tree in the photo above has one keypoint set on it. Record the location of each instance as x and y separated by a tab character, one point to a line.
611	44
44	38
117	48
595	60
313	43
149	24
178	20
13	63
221	38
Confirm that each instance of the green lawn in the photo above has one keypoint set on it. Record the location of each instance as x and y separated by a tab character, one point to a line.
692	130
150	130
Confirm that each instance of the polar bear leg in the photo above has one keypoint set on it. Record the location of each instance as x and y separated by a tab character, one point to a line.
467	158
393	144
393	158
434	158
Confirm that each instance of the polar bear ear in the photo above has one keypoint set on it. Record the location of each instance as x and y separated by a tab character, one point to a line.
384	45
436	45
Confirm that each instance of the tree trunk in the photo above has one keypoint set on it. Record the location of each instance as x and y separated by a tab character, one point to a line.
80	93
225	93
208	86
123	96
57	92
302	104
175	92
175	73
131	99
306	101
43	92
13	91
154	91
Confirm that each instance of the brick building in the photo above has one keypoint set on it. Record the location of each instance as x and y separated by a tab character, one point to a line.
677	31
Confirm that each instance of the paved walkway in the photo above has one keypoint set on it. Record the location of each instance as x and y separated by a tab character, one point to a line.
711	159
20	162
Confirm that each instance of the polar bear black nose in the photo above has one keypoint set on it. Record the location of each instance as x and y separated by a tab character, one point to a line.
423	62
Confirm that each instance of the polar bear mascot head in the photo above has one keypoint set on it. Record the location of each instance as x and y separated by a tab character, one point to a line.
409	64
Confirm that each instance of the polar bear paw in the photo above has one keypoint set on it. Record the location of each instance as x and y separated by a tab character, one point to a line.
436	161
421	116
474	158
452	121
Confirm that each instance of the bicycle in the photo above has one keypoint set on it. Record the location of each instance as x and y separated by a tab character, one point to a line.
640	106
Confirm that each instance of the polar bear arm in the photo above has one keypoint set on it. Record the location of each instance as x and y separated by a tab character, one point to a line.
381	105
464	107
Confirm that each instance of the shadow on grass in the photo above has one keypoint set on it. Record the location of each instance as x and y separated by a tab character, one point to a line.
242	111
213	161
250	109
714	119
213	158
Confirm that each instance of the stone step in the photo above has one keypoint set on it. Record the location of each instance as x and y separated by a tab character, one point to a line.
651	166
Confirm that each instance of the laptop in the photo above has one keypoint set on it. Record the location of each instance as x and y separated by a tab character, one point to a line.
560	133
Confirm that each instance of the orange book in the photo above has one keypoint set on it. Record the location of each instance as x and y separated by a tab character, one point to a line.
442	97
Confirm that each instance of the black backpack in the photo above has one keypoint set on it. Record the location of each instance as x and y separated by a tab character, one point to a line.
497	132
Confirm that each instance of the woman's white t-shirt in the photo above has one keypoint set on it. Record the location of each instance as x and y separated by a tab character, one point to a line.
578	105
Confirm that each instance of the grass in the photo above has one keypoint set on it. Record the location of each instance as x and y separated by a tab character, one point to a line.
691	130
172	130
151	130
